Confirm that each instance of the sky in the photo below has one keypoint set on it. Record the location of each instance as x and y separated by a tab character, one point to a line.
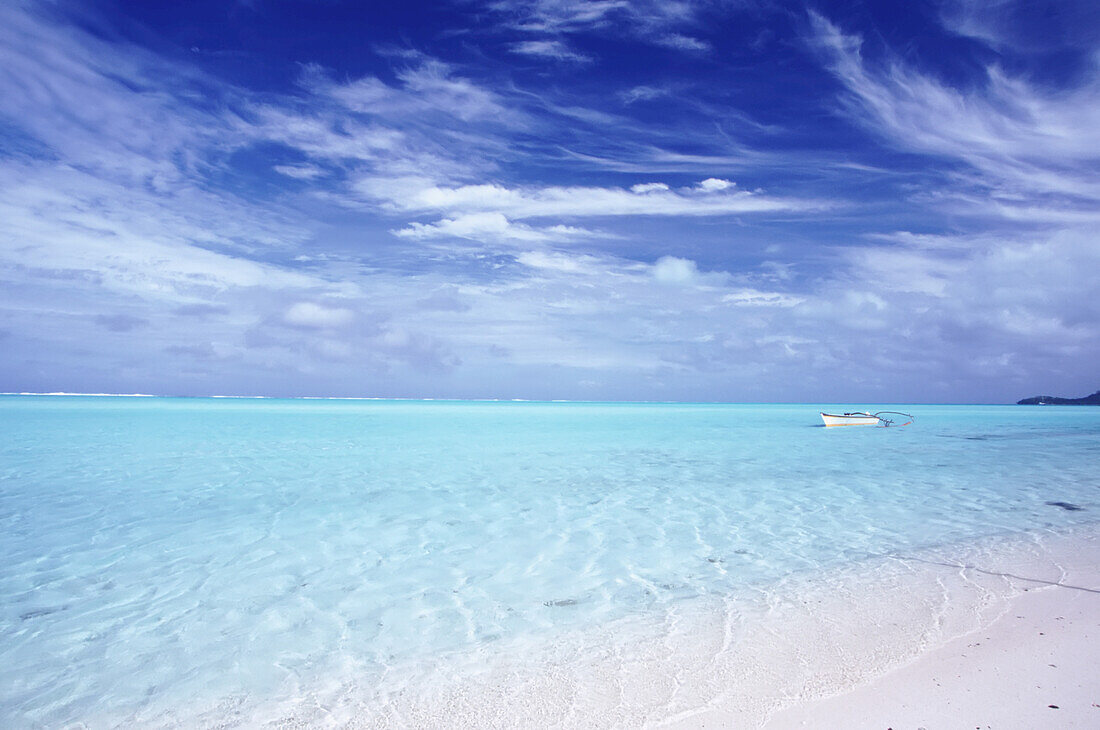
713	200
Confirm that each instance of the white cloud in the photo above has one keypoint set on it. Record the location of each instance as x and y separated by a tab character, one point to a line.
659	22
319	136
554	49
534	202
558	15
642	93
642	188
491	227
1022	140
434	84
682	42
432	121
299	172
758	298
312	315
135	241
673	270
75	95
1009	25
900	269
560	262
713	184
426	88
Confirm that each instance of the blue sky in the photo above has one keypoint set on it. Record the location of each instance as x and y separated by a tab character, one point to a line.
726	200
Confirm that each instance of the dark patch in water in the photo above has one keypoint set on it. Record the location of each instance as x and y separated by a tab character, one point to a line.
35	613
714	560
981	437
1067	506
741	551
561	602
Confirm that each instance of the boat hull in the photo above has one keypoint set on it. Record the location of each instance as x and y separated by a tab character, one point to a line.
855	419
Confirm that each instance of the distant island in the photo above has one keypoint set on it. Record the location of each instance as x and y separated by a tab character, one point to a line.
1050	400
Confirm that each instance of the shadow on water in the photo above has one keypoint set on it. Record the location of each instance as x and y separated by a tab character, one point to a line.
1020	436
983	437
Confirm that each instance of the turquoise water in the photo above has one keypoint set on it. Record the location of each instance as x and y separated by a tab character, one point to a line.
166	554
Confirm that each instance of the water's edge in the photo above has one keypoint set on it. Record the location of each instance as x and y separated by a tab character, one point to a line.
744	656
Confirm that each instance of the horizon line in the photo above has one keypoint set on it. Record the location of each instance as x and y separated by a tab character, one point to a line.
478	400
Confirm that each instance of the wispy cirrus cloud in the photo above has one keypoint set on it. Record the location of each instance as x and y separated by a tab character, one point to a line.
493	227
1016	27
682	42
299	172
432	121
711	197
558	15
552	49
651	21
1022	142
118	114
642	93
427	86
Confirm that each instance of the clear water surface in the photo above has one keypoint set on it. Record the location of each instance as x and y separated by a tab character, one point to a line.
162	553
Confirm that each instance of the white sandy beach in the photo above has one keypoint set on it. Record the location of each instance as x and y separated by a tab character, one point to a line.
1034	667
987	635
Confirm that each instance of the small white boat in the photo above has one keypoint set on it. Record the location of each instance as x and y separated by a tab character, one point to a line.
863	418
850	419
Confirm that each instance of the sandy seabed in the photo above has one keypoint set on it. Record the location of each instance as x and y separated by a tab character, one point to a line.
998	633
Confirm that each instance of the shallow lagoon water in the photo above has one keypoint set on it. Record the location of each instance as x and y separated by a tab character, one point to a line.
162	556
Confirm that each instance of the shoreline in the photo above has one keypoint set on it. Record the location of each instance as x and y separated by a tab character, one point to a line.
829	650
1030	662
922	639
1032	667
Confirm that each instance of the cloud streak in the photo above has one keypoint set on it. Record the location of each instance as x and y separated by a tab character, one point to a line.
651	21
552	49
1021	140
710	197
493	227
